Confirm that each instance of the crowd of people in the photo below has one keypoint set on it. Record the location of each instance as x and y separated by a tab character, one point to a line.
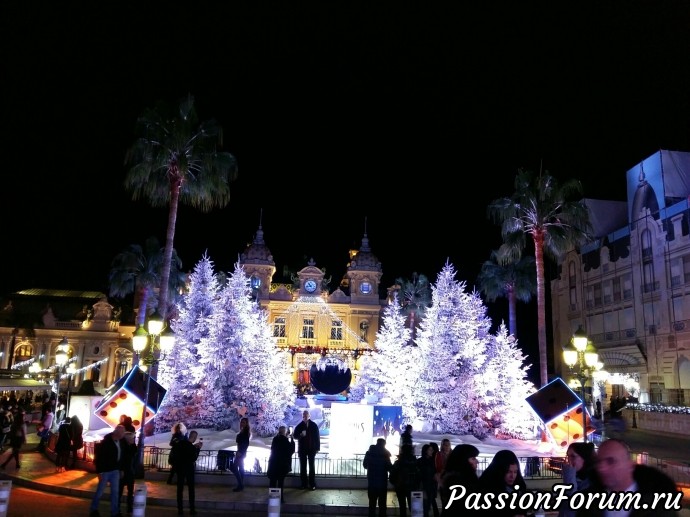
452	475
446	476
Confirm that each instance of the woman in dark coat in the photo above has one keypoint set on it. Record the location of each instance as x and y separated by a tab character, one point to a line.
503	476
427	473
63	446
280	460
242	440
77	439
579	471
460	469
405	478
178	434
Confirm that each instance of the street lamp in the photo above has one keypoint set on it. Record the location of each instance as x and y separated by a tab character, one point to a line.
61	359
161	339
600	377
71	370
583	355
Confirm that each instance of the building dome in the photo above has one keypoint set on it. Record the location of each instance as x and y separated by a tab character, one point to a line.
645	197
257	252
364	259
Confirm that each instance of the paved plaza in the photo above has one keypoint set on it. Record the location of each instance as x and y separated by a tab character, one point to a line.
38	472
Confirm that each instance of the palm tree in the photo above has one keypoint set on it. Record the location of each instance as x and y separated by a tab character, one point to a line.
505	277
139	269
556	218
415	298
176	160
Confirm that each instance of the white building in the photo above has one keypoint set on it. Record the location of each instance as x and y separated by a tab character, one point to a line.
630	288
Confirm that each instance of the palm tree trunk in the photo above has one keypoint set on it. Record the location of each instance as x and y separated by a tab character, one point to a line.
512	304
541	307
143	304
175	186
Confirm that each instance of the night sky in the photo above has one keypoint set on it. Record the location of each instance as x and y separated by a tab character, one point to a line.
413	116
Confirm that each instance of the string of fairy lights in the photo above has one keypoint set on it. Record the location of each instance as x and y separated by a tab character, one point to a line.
34	366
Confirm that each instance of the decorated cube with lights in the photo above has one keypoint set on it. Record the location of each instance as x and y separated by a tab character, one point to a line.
561	411
126	397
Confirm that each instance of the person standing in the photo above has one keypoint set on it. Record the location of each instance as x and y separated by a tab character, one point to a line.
503	476
129	457
427	473
186	453
405	478
619	474
107	458
442	456
178	433
377	462
406	437
242	440
63	445
17	438
460	469
578	471
45	427
308	444
77	439
280	460
6	420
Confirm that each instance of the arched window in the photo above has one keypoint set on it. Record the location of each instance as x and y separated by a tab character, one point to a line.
648	284
23	352
572	285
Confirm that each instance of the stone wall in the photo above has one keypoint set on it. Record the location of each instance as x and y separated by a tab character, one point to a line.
674	423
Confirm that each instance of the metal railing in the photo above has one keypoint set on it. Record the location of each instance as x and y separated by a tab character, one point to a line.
533	467
156	458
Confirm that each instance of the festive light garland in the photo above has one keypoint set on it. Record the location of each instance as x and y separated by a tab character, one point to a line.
28	362
659	408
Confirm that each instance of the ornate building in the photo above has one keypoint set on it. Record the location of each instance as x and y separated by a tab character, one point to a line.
307	320
630	288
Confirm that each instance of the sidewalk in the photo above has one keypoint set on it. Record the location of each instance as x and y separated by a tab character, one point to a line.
38	473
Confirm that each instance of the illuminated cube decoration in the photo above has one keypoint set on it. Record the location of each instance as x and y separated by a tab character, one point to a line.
126	396
561	411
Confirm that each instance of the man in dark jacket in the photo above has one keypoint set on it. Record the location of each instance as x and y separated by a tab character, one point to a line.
309	443
186	453
618	473
107	457
377	461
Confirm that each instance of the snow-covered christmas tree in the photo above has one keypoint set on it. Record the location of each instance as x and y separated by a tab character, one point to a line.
504	385
180	371
392	371
452	340
249	370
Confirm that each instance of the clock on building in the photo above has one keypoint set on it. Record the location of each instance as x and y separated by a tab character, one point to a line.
365	288
310	285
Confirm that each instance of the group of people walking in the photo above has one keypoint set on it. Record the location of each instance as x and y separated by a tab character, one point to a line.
453	475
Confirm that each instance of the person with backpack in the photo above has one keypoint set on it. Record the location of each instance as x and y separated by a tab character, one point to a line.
5	425
377	462
107	458
405	477
17	438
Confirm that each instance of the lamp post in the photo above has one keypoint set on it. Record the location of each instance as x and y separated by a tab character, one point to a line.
600	377
71	370
159	339
61	359
581	358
